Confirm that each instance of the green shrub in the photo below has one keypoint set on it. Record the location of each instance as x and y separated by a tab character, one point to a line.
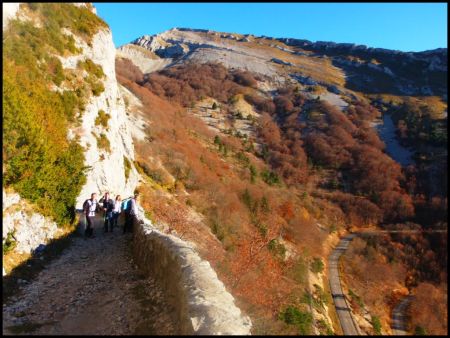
92	68
270	177
102	118
420	331
70	45
264	204
243	158
97	88
71	103
277	248
321	297
214	106
376	325
253	173
10	242
324	328
39	161
79	20
218	230
251	203
127	166
302	320
103	142
355	297
55	70
317	265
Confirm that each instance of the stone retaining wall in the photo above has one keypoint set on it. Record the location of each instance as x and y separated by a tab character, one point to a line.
203	306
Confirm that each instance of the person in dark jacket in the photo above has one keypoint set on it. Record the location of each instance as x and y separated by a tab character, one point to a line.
107	205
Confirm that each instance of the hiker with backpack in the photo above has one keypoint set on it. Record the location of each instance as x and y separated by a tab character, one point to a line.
108	207
90	207
130	208
117	210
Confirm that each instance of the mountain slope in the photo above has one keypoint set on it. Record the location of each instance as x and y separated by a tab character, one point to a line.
272	144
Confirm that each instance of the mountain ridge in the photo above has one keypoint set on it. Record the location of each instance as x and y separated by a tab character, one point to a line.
305	42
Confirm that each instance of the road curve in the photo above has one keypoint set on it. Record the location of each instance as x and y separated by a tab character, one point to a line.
398	317
348	324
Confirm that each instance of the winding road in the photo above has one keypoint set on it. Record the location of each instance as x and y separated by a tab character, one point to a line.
348	325
398	317
92	288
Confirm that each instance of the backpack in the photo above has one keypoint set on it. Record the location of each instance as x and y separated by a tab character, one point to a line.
86	206
126	205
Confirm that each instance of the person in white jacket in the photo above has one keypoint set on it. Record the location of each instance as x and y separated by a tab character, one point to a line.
117	210
90	207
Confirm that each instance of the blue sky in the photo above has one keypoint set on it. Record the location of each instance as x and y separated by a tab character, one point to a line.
401	26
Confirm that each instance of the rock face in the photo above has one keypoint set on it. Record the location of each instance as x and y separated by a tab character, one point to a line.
202	304
396	72
142	58
9	12
17	220
411	73
200	46
107	169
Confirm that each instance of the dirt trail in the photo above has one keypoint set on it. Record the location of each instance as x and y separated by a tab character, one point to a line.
92	288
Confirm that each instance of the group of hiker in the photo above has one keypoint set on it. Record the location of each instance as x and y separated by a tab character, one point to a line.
111	211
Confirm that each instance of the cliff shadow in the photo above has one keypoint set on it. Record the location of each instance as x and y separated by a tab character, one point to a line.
28	270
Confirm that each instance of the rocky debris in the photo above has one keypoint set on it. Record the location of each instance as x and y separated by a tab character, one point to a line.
91	289
305	80
281	62
333	89
9	199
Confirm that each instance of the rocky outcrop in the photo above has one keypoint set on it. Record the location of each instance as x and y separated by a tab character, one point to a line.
9	12
201	47
25	227
203	305
281	62
408	73
145	60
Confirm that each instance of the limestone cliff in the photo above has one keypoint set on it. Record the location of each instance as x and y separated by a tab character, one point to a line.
107	170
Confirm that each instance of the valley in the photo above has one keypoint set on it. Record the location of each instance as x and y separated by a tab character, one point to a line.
311	177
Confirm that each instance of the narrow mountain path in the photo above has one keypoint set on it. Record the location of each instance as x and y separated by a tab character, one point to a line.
348	325
92	288
398	317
